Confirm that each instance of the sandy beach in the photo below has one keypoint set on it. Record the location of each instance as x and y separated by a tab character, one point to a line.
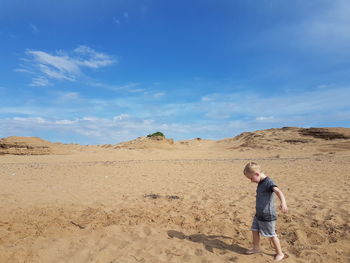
163	201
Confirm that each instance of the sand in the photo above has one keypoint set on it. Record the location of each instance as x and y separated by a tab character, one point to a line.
165	201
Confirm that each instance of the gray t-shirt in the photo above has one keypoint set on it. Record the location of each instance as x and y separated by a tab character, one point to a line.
265	201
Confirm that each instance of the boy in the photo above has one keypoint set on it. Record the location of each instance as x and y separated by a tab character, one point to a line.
265	218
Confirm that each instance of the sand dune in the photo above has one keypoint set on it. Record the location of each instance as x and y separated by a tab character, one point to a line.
164	201
158	142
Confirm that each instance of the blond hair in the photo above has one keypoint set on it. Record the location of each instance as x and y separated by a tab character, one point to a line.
251	167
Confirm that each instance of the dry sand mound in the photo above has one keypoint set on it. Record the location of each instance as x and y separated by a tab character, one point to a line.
17	145
197	142
288	138
154	142
25	145
327	133
324	139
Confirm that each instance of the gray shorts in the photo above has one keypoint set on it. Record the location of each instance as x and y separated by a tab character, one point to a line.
266	228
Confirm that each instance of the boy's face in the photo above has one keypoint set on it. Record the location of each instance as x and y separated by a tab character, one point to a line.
254	177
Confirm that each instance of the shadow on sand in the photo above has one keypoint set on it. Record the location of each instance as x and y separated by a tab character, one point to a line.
209	242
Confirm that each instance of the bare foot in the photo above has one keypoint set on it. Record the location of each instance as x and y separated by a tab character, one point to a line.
252	251
279	257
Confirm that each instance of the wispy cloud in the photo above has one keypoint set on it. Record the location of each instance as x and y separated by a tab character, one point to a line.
69	96
266	119
93	130
119	128
317	101
212	116
61	65
159	94
40	82
124	18
132	87
33	28
23	70
88	57
116	21
325	28
121	117
331	27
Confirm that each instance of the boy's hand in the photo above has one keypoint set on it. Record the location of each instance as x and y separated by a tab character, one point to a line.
280	195
284	207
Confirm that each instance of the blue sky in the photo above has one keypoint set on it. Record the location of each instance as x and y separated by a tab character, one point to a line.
95	72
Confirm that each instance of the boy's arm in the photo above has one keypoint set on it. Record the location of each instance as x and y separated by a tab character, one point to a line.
280	195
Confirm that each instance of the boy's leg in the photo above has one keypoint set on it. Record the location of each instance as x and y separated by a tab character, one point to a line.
256	240
256	237
276	243
256	243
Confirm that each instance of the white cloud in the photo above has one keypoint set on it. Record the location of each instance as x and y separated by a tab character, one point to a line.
57	74
136	90
124	18
224	115
332	26
317	101
33	28
206	98
115	20
159	94
92	59
61	63
69	96
65	122
40	82
265	119
23	70
324	29
121	117
126	87
95	130
31	119
129	87
90	119
62	66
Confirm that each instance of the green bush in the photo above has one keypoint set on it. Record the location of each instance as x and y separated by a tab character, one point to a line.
156	134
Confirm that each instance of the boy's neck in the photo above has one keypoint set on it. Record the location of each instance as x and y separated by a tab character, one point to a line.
262	176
